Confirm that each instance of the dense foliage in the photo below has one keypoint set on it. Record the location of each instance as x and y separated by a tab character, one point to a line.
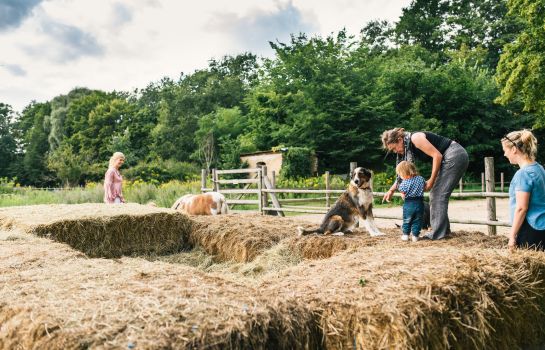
435	69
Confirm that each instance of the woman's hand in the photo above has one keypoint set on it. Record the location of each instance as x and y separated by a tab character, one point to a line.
428	186
512	245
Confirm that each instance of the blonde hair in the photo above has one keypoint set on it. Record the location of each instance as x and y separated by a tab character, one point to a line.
405	168
116	156
523	140
392	136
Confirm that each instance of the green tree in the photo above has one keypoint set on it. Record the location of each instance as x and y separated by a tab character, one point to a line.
34	133
319	93
8	144
68	165
521	71
440	25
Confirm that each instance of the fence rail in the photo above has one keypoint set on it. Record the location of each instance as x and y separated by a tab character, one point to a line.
266	192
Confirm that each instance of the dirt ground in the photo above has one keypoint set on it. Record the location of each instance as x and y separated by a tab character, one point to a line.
459	209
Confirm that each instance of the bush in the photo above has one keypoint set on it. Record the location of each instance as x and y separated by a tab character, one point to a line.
160	171
6	185
297	162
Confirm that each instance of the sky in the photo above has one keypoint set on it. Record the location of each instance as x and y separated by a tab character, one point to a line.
49	47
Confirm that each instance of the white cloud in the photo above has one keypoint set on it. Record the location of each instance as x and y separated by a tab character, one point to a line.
56	45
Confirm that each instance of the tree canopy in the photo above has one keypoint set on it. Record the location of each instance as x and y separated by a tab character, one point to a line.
434	69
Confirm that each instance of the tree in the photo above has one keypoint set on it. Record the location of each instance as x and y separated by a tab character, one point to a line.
68	165
207	150
441	25
8	144
34	133
521	70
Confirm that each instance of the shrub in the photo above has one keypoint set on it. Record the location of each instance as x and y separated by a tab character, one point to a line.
297	162
160	171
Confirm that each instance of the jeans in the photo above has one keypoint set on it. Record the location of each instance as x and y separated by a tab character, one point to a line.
530	238
413	210
453	166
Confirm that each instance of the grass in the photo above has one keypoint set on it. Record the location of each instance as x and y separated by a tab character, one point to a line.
136	192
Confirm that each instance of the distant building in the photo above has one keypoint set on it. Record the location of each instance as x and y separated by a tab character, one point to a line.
272	159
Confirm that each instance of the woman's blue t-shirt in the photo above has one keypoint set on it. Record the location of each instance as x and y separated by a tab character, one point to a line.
531	179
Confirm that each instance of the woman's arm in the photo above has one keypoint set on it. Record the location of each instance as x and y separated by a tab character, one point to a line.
521	208
108	185
420	141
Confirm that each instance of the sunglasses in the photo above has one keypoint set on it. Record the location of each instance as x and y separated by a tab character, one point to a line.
513	142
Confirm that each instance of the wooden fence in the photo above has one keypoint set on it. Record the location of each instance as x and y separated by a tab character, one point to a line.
268	202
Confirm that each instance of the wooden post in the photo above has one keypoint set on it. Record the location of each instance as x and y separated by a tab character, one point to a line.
327	187
264	196
273	180
482	180
353	165
490	187
215	180
501	182
461	185
203	180
259	193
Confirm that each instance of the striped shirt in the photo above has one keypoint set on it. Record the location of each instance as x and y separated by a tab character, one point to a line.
413	187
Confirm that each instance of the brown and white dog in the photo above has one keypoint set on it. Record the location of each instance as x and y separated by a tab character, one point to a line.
354	204
210	203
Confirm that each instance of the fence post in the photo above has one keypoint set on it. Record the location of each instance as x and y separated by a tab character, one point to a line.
215	180
461	185
482	179
259	193
501	181
273	180
203	180
264	196
327	187
353	165
490	187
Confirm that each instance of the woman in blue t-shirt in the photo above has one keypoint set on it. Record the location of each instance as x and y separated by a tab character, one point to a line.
526	192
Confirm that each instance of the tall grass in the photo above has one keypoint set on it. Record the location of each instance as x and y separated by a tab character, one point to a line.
138	192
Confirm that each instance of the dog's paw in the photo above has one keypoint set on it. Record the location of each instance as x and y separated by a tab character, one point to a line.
377	233
338	234
300	231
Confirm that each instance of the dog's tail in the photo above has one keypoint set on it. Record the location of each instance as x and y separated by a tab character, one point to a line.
302	232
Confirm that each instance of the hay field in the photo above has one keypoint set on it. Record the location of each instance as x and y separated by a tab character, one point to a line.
247	282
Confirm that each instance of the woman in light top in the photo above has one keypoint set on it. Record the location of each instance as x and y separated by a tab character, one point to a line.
113	180
526	191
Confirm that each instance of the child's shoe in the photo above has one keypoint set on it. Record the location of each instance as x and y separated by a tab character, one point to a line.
415	238
405	237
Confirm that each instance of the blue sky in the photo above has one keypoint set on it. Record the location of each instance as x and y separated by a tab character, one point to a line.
48	47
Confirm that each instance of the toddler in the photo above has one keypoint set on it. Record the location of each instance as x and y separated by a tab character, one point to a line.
412	191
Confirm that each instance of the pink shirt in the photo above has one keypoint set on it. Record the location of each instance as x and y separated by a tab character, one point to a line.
112	186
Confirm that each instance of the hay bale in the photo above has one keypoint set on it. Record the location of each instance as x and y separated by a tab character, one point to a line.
240	238
370	293
323	247
56	298
101	230
243	237
428	298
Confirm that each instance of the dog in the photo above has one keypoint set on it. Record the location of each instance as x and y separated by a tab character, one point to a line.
354	204
210	203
